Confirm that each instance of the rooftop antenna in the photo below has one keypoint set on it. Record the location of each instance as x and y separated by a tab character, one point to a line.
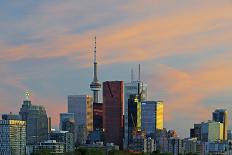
95	50
139	73
132	75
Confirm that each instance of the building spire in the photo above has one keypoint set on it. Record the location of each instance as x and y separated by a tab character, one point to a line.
27	94
139	78
95	49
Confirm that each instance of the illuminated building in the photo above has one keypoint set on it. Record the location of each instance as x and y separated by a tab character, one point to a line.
135	87
37	121
13	137
113	112
211	131
152	116
97	116
81	106
221	115
134	116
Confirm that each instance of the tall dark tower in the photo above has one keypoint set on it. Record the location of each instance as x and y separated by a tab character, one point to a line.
95	85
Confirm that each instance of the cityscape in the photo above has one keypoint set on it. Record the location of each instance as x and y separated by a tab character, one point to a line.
116	78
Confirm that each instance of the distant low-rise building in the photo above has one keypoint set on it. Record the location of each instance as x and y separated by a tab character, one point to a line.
50	145
175	146
141	143
214	148
64	137
190	145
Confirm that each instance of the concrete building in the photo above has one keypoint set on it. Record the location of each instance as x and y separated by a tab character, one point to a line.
82	107
221	115
214	148
211	131
113	104
64	137
132	88
175	146
152	116
36	122
51	145
196	132
12	137
190	145
162	140
140	143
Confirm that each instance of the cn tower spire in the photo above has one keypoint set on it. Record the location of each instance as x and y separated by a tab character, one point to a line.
95	85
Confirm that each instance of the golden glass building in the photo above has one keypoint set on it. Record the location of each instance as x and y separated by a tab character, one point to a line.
152	116
12	137
159	115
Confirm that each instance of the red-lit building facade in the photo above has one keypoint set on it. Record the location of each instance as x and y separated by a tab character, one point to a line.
97	116
113	103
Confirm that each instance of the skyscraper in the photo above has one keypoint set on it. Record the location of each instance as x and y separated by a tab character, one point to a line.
97	116
134	116
95	85
82	107
132	88
36	121
113	112
152	116
13	137
221	115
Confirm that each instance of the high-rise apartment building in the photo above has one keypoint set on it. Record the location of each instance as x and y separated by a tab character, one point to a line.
12	137
152	116
36	122
221	115
82	107
113	104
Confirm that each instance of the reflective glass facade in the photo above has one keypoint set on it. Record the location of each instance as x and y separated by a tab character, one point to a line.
152	116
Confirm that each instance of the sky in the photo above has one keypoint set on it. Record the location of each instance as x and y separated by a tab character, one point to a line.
184	48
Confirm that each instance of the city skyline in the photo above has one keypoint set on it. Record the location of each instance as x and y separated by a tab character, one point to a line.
183	47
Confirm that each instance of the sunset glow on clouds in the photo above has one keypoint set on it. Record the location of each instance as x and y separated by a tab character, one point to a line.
184	48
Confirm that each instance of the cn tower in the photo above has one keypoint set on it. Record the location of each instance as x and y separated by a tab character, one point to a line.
95	85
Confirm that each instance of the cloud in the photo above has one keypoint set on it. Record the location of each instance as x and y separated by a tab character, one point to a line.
185	48
187	92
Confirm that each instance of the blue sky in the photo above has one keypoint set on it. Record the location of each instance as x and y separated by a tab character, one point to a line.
184	48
